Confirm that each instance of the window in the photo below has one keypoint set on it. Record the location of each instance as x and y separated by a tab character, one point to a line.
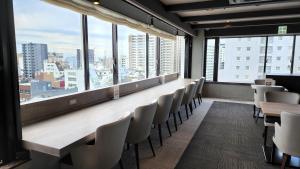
278	58
279	47
229	48
100	53
210	59
261	59
152	55
297	56
262	49
283	64
168	59
180	51
49	50
131	54
238	48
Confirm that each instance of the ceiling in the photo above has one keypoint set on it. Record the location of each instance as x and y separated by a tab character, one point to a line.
216	14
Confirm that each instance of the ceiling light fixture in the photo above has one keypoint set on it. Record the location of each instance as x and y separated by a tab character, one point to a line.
96	2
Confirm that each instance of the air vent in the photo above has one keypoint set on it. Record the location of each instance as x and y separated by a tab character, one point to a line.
233	2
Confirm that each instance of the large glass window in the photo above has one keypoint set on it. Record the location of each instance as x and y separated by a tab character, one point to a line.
100	53
297	56
180	53
131	54
210	59
152	52
240	60
49	50
279	54
168	59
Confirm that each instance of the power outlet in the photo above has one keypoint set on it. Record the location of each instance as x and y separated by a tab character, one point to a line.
72	101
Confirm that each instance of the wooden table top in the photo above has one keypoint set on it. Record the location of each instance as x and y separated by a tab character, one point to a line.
274	109
58	135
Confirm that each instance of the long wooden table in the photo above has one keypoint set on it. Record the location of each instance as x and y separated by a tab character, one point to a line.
271	109
57	136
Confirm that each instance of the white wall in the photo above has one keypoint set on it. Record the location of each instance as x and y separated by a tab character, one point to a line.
198	55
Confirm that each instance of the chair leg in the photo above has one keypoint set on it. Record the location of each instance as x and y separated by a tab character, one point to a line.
194	102
160	136
257	115
136	149
198	99
265	135
121	164
273	153
175	121
186	111
254	110
201	98
180	117
191	107
167	122
128	146
284	160
150	143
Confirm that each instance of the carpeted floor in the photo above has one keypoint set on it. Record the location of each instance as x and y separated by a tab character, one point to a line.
228	138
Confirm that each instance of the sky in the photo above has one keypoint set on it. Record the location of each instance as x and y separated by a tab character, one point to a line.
39	22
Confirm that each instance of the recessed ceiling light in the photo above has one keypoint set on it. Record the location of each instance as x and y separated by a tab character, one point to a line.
96	2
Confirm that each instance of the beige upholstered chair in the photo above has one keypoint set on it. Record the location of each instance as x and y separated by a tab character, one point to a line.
199	90
287	136
162	113
108	148
177	99
197	81
259	96
280	97
140	127
187	98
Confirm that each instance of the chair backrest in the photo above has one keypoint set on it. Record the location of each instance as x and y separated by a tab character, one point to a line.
259	94
188	94
140	125
110	140
199	90
260	81
282	97
163	108
177	100
287	137
197	81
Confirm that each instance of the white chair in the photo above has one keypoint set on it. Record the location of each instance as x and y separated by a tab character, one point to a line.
162	113
177	100
140	127
199	90
108	148
259	96
279	97
187	98
287	136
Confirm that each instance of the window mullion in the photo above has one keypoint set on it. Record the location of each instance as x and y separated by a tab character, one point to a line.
147	55
216	59
115	54
157	56
266	54
293	55
85	52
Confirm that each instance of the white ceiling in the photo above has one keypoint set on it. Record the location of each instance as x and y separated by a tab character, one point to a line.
172	2
237	9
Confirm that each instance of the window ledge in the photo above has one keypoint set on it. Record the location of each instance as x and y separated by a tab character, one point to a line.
228	83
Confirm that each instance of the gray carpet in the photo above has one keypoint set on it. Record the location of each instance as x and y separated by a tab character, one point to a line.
228	138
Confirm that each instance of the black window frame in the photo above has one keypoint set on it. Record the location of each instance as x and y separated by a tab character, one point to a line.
216	54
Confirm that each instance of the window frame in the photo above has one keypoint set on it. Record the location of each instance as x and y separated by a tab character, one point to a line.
216	54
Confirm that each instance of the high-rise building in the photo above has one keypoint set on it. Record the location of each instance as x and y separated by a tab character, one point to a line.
137	52
91	54
167	56
34	55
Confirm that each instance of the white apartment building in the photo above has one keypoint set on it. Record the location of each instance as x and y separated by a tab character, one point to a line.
74	79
